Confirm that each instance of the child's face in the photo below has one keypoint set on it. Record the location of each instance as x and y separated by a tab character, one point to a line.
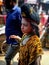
25	26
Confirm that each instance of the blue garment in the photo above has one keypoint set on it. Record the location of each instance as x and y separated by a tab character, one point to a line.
13	24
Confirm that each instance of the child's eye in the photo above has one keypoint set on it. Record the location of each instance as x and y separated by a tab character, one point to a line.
25	24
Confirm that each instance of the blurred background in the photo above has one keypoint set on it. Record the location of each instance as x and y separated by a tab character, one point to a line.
42	8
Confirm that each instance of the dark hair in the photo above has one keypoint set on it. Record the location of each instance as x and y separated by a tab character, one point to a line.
48	20
7	3
35	29
28	12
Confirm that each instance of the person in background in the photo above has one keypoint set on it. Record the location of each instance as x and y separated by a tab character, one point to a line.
47	33
43	20
30	45
45	36
13	27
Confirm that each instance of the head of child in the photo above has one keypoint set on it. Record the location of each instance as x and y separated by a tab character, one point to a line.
30	20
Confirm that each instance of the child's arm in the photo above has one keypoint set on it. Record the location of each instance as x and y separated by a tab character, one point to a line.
15	37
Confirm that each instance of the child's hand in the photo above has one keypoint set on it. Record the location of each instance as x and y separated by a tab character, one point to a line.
15	37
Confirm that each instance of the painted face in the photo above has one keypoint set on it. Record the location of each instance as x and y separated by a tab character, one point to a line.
25	26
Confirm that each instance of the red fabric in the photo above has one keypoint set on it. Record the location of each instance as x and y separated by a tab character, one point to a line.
4	16
43	20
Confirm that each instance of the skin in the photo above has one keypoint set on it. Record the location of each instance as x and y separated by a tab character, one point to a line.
25	26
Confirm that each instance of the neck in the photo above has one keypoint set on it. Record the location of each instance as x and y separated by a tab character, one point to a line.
31	33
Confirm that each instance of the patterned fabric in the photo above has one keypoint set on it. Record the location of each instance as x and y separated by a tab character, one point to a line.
30	51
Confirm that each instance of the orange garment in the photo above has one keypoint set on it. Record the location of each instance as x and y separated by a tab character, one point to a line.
1	3
30	51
